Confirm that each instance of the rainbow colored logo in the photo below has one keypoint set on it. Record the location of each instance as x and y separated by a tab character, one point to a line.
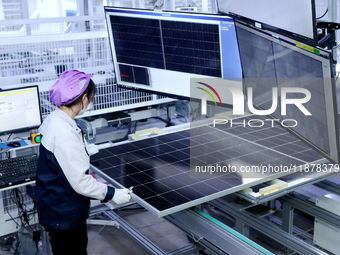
209	93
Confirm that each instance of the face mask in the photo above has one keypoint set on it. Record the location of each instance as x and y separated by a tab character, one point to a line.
82	111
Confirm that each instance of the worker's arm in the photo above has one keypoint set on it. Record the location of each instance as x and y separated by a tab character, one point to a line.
74	162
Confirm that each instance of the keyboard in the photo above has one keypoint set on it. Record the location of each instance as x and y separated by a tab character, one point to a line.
18	170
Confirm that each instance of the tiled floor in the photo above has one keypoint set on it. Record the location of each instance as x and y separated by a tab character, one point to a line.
109	240
114	241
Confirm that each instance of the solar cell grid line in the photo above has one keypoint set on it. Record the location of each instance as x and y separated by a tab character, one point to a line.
169	193
192	47
280	145
162	42
292	149
274	141
277	136
161	175
296	67
249	153
137	41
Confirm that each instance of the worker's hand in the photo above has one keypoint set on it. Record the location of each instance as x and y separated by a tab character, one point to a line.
121	196
93	149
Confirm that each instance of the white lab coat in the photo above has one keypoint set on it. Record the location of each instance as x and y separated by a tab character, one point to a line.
62	137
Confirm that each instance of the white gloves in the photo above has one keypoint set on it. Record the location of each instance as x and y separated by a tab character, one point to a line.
93	149
121	196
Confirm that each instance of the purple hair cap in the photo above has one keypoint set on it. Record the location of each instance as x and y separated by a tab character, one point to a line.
69	87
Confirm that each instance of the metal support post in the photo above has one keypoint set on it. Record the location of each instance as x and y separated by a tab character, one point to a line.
150	247
241	227
313	210
212	234
169	5
287	218
81	12
200	207
214	6
264	227
332	17
26	16
272	205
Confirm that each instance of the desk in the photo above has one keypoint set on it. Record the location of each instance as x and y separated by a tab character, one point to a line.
6	223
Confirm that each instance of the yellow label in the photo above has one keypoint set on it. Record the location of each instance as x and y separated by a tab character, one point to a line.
15	93
304	46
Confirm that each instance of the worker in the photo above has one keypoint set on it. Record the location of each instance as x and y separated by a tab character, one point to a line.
64	185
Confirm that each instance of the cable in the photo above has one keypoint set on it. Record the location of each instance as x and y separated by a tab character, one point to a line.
17	248
165	121
125	137
183	118
193	237
135	127
9	240
9	137
4	150
192	110
323	14
12	218
120	126
193	115
21	138
100	230
23	212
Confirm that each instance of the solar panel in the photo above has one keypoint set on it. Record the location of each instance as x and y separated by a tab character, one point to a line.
269	63
165	50
162	169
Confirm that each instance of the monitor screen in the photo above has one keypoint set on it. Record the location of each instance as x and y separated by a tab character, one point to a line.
159	52
19	109
295	19
270	62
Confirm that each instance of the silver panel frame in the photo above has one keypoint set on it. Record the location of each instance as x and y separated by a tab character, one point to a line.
201	200
325	58
184	206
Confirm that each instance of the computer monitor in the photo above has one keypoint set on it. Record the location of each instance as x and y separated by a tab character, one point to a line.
295	19
158	52
19	109
270	61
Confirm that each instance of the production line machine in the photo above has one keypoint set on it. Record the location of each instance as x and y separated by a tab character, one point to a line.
166	187
256	128
225	160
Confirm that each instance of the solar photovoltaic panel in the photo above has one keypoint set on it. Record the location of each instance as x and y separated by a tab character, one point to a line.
178	170
192	48
162	169
172	45
137	41
167	49
269	62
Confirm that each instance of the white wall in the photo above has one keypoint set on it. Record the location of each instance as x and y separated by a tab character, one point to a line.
320	8
68	5
56	8
1	12
48	9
